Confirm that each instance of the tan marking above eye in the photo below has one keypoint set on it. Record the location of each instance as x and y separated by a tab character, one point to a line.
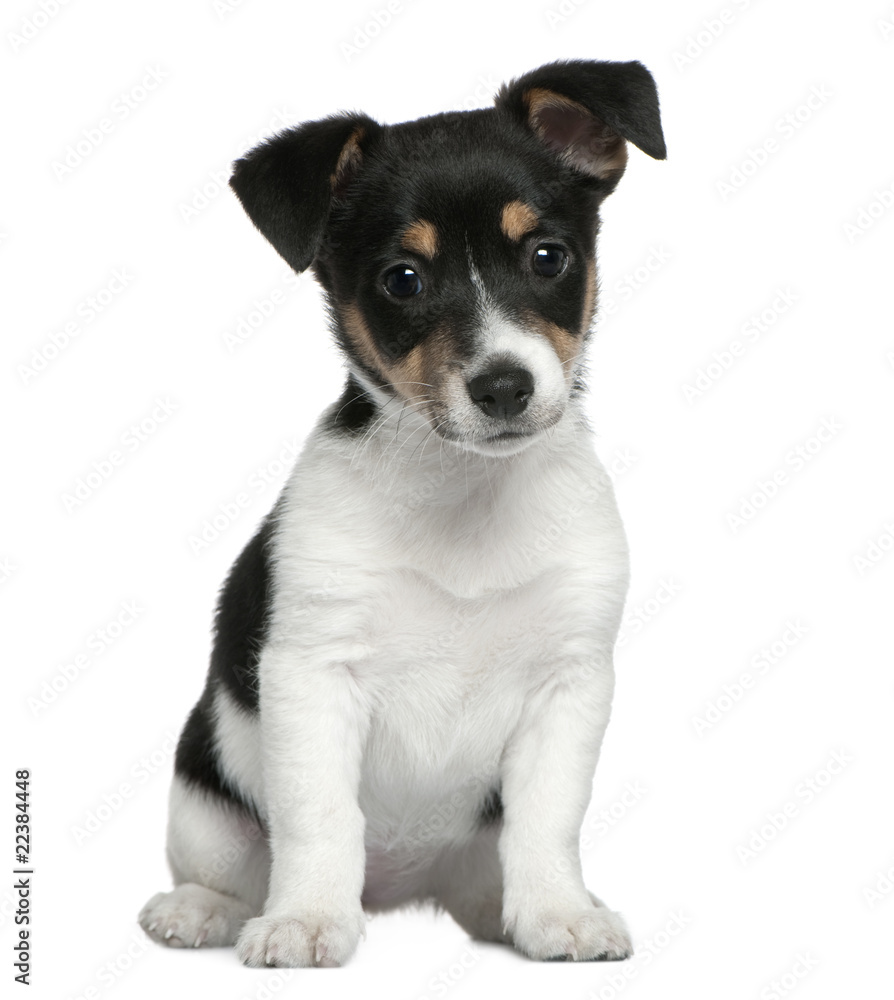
517	219
421	237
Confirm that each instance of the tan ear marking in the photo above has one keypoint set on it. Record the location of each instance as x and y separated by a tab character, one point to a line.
349	160
538	98
581	138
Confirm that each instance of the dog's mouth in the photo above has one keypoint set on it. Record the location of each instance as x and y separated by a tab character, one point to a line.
509	435
503	441
506	443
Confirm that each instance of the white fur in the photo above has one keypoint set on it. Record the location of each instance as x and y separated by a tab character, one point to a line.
443	624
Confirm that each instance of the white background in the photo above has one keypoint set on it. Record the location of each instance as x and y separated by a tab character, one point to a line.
685	263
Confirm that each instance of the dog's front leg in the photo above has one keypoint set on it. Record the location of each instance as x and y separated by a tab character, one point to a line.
547	778
313	728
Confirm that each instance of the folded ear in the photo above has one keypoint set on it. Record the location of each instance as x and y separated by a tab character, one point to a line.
288	183
585	110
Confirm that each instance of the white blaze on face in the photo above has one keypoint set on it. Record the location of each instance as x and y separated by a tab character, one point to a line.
504	343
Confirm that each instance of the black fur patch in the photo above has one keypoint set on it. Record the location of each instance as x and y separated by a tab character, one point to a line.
240	631
491	811
196	759
354	410
240	624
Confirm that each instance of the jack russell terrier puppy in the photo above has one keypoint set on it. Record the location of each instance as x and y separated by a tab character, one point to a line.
412	667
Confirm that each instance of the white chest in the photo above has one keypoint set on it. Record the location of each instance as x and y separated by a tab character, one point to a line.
452	592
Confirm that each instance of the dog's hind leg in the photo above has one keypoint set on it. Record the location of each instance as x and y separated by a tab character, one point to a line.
220	861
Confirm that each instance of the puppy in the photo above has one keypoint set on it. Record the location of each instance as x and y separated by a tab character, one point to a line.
412	668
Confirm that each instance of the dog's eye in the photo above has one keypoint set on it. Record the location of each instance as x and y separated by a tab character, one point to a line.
549	260
403	282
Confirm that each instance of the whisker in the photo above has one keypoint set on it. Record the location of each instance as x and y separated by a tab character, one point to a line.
422	443
386	450
386	414
359	395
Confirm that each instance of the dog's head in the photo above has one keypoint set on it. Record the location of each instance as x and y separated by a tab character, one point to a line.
457	252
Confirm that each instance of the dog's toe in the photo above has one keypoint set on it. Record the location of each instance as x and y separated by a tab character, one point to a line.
193	916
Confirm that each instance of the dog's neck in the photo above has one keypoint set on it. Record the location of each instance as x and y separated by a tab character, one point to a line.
408	466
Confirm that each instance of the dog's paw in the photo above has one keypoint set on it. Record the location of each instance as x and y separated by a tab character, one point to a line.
587	935
193	917
299	941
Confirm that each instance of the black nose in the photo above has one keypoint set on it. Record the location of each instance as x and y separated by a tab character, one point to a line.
503	392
